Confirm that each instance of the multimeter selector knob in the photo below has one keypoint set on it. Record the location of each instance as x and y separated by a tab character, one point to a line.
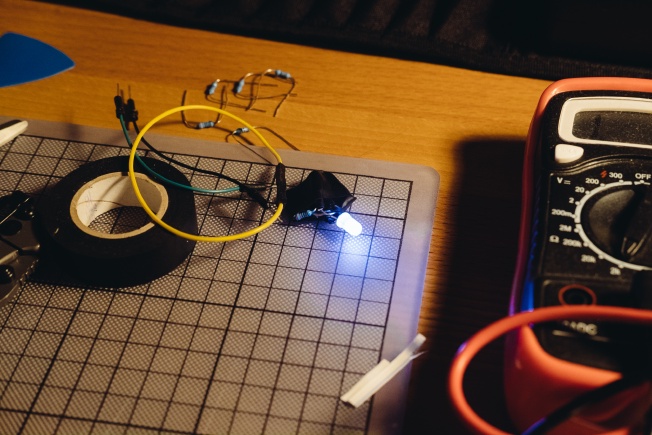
619	222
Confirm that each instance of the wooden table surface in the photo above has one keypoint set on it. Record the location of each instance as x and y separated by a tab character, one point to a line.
470	126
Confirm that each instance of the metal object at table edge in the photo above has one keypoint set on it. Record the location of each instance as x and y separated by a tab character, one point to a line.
19	246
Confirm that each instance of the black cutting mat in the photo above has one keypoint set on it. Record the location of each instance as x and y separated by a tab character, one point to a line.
260	335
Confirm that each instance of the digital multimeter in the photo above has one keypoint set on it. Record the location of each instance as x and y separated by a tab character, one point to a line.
586	238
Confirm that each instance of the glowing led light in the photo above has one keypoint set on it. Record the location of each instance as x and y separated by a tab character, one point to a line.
349	224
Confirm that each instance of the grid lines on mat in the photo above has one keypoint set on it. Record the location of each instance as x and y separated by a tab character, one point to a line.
260	335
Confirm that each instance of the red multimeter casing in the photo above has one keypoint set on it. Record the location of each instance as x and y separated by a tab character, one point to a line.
587	170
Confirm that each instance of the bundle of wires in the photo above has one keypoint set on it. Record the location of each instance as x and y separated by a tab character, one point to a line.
127	114
470	349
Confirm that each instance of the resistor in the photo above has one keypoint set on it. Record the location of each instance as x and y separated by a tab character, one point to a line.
282	74
239	131
303	215
210	89
238	86
207	124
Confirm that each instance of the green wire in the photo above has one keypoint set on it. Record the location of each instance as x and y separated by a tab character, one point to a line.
165	180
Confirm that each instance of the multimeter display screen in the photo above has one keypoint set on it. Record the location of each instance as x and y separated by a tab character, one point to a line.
614	126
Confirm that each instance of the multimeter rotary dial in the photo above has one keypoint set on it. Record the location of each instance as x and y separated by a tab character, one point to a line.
616	218
613	214
601	218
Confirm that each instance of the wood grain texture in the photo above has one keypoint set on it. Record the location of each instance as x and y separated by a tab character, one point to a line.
469	126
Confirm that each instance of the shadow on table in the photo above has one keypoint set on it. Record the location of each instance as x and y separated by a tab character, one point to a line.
479	236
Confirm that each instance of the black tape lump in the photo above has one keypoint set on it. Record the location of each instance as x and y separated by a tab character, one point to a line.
135	258
320	191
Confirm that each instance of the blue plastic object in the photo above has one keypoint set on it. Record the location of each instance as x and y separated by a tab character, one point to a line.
24	59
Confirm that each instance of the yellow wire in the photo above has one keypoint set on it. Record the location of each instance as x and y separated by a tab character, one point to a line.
157	220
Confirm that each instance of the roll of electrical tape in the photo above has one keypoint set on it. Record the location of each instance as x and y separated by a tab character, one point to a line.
115	260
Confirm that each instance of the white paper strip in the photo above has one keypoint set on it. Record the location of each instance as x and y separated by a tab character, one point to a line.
370	383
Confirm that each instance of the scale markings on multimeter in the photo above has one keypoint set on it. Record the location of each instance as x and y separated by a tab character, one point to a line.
586	239
592	219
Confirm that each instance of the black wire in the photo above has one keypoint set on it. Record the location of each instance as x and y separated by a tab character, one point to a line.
647	423
245	188
566	411
128	114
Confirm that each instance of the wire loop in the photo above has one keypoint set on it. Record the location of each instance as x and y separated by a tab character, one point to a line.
196	237
473	345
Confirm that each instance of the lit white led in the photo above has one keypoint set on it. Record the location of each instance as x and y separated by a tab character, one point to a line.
349	224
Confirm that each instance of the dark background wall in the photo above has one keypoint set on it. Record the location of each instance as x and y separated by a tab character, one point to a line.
548	39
